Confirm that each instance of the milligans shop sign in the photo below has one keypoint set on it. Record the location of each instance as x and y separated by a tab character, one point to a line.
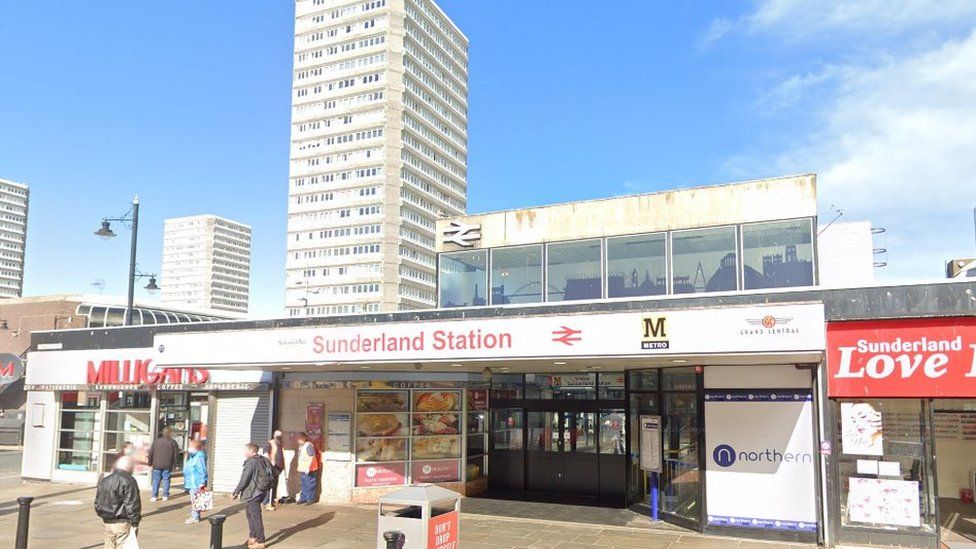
141	372
902	358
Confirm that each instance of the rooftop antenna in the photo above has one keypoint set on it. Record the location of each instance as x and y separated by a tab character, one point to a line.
99	283
837	211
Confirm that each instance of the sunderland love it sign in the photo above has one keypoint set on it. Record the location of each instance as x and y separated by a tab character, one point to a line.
728	330
902	358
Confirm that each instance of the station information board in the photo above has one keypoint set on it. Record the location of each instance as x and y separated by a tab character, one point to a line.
650	443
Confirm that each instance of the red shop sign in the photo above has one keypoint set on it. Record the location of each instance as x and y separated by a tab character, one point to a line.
902	358
434	471
381	474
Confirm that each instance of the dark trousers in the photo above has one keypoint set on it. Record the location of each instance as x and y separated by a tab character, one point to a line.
255	524
272	496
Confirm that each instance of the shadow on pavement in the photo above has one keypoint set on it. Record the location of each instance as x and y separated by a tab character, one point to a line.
10	507
283	534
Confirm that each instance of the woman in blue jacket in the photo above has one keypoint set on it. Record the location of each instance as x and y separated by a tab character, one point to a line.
195	475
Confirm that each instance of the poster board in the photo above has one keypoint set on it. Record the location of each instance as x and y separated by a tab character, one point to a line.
888	502
650	444
338	436
861	429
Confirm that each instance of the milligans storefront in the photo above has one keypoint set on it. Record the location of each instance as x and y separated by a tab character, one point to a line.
85	407
550	406
903	395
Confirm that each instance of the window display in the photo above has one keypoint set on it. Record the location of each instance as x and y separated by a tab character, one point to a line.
419	435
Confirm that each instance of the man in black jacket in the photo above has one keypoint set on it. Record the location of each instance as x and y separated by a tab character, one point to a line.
249	492
117	503
163	455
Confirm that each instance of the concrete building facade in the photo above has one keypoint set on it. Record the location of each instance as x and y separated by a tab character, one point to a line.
14	198
206	263
378	153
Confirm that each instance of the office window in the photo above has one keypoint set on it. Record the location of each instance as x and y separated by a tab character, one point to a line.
463	278
704	260
516	275
637	265
778	254
574	271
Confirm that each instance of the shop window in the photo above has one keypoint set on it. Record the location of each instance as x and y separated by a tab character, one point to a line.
506	386
127	428
704	260
557	386
574	271
778	255
885	465
476	433
506	429
611	386
679	379
415	436
637	266
463	279
644	380
78	432
516	275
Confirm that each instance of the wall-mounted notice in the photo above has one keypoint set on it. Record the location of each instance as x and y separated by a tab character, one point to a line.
650	443
875	501
338	436
861	429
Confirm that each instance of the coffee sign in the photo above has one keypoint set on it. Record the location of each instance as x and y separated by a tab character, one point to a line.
902	358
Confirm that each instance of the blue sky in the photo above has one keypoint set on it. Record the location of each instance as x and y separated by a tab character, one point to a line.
187	104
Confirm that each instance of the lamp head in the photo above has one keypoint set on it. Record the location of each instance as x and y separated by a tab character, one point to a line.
105	232
152	287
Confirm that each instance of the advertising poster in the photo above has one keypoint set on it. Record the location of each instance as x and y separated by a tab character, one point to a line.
442	532
380	474
434	471
876	501
314	413
861	430
760	459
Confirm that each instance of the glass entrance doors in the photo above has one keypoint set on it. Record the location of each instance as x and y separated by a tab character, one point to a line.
681	474
562	453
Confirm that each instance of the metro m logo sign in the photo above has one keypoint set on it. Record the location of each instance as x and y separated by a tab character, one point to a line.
655	333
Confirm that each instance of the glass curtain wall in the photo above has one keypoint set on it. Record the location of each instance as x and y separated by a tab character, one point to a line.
516	275
637	265
575	271
463	280
704	260
778	255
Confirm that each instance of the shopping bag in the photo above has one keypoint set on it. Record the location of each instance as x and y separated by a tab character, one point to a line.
131	542
202	500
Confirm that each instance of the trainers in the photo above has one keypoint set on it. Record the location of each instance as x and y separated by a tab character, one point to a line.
154	498
256	545
165	498
269	507
191	521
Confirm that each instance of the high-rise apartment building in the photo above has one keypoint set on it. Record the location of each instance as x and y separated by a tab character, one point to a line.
206	263
14	198
378	152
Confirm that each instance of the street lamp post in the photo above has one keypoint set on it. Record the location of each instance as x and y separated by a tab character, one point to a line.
106	232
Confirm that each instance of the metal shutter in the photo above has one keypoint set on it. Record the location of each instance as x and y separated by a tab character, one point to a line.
241	418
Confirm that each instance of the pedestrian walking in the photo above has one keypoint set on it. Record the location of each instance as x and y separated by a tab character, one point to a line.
308	466
195	476
163	455
118	504
254	485
276	455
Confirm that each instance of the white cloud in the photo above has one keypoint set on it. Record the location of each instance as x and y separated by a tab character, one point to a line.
716	30
896	143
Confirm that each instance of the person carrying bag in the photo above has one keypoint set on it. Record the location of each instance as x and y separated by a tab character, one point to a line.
195	481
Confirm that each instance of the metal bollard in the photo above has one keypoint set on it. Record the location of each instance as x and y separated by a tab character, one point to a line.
392	538
217	531
23	521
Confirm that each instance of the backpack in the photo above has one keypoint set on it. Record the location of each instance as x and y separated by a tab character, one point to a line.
265	476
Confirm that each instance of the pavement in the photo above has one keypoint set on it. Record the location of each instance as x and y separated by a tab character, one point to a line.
62	518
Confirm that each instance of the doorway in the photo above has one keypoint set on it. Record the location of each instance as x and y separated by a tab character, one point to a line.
562	453
954	428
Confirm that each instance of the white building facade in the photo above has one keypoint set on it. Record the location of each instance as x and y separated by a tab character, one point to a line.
14	198
378	153
206	263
